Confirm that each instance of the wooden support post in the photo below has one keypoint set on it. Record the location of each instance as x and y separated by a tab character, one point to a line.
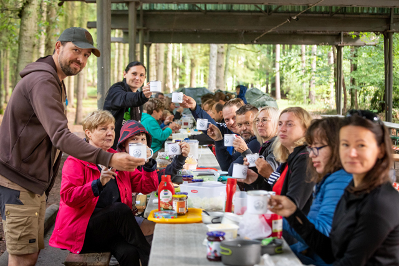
388	54
339	79
141	35
104	45
132	31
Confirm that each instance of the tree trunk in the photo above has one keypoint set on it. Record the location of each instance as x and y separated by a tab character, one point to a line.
160	66
193	66
278	94
27	34
116	60
169	75
354	104
213	53
332	91
272	80
71	91
50	29
6	75
220	83
153	62
312	85
226	64
1	82
335	75
345	95
303	59
42	39
121	66
178	69
79	102
266	68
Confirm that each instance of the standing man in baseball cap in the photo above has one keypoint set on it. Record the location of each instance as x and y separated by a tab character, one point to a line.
33	134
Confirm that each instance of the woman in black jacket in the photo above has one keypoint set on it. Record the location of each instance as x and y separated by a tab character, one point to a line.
124	100
289	149
365	228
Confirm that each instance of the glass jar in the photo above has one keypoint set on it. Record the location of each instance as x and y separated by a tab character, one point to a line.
213	246
185	194
180	204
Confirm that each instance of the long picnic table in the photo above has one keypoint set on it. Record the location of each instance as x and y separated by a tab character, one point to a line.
182	245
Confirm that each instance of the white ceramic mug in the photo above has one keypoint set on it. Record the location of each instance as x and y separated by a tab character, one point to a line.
174	149
228	139
202	124
257	201
177	97
239	171
139	150
155	86
251	159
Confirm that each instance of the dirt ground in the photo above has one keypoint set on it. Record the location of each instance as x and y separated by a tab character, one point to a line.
54	196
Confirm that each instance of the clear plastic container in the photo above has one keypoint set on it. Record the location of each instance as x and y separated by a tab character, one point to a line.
206	195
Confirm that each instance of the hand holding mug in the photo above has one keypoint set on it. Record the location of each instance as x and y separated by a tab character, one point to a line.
214	132
264	168
282	205
185	148
146	90
188	102
251	177
239	144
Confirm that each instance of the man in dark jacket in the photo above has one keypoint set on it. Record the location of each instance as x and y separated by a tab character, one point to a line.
244	144
124	100
33	133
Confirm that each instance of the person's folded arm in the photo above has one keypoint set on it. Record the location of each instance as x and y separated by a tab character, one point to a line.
118	98
224	158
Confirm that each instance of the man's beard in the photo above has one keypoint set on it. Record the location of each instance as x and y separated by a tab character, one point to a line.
67	69
246	132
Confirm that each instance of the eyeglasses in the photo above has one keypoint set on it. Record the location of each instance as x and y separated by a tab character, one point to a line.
366	115
315	150
263	121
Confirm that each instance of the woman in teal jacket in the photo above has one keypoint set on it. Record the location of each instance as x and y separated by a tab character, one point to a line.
149	120
326	171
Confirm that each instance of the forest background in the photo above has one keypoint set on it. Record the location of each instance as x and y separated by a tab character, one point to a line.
302	75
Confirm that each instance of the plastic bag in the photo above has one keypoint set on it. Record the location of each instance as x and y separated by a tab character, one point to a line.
254	226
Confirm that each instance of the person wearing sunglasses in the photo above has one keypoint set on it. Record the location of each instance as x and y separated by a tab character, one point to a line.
324	169
365	227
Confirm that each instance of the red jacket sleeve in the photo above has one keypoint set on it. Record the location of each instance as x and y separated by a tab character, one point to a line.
75	188
144	182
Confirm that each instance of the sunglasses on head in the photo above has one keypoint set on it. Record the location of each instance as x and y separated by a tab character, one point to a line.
366	115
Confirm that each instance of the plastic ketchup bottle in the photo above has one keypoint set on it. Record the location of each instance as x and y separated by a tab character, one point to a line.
231	187
165	194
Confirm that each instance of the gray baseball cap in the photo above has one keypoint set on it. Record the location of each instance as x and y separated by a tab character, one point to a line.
79	37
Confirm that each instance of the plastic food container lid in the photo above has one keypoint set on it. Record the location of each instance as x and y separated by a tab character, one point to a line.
216	233
198	180
178	196
182	193
165	214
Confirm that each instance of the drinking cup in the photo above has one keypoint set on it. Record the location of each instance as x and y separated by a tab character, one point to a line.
202	124
139	150
239	171
177	97
251	159
155	86
257	201
228	139
174	149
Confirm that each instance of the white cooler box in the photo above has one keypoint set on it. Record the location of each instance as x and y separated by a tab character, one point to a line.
210	196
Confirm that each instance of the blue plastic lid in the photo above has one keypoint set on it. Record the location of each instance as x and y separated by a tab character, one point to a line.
216	233
186	139
181	193
198	180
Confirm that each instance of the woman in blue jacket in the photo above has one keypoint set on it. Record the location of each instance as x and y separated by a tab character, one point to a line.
326	171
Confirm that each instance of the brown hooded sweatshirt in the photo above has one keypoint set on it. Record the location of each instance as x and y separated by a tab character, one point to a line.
35	126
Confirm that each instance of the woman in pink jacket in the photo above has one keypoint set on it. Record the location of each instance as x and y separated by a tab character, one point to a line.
95	212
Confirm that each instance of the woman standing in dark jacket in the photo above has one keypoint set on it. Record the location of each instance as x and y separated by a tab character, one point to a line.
365	228
124	100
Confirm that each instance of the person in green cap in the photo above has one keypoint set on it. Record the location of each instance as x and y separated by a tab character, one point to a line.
33	134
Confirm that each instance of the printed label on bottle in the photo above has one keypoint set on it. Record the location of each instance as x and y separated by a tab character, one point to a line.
278	225
213	250
166	200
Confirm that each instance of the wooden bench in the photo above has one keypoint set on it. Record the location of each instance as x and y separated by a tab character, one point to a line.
89	259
